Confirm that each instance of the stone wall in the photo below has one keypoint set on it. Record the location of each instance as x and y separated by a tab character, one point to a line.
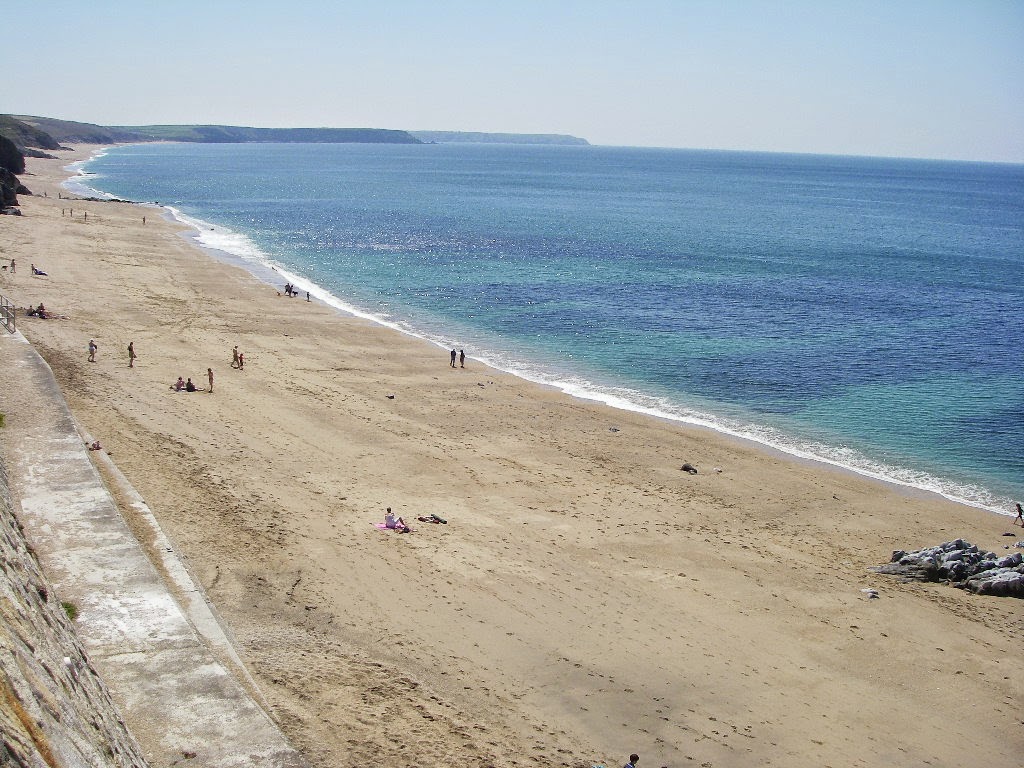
54	710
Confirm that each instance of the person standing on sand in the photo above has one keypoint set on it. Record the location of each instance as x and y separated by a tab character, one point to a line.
1020	515
462	358
453	357
209	375
633	760
92	351
234	357
241	360
12	266
131	354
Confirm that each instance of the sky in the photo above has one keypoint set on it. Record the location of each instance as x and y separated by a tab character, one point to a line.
926	78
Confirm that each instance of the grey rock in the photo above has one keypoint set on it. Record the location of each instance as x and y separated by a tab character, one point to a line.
962	565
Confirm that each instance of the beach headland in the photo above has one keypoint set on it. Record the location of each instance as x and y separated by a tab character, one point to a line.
586	598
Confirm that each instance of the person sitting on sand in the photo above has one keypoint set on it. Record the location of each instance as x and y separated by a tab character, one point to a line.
395	523
178	385
95	446
189	386
38	271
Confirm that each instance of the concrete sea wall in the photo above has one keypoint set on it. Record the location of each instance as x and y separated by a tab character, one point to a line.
54	709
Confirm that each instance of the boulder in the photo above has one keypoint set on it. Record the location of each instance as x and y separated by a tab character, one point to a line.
10	156
962	565
8	188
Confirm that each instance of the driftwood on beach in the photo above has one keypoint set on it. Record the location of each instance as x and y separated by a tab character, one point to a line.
963	565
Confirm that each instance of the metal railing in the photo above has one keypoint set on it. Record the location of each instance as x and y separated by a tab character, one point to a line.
7	312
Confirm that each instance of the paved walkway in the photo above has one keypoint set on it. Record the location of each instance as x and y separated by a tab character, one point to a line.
148	628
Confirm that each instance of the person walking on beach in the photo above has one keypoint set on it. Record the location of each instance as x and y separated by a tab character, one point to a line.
453	357
209	375
131	354
234	357
12	266
462	358
1020	515
241	360
92	351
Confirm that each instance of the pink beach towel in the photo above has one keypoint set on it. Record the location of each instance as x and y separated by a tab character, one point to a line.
383	527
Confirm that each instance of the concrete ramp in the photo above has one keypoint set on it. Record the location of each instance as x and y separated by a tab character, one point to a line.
149	633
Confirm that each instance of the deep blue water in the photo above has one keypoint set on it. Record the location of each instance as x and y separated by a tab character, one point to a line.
866	311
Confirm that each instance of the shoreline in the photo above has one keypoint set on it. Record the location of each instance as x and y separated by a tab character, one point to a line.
586	599
773	440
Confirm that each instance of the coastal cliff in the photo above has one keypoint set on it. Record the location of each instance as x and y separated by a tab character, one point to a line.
476	137
32	129
32	134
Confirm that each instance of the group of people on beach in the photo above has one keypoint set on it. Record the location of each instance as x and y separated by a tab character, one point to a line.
461	358
291	291
181	385
188	386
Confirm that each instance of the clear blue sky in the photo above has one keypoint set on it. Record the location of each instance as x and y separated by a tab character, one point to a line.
921	78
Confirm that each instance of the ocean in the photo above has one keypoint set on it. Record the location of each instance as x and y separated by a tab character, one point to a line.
865	312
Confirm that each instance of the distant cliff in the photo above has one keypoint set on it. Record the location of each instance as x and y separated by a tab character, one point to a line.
31	131
474	137
31	134
48	133
224	134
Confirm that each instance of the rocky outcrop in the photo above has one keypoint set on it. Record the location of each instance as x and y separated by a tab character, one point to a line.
11	158
54	709
962	565
11	163
9	189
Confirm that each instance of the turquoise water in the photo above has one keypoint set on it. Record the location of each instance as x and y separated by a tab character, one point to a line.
863	311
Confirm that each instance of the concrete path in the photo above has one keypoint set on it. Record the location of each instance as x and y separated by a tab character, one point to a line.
148	629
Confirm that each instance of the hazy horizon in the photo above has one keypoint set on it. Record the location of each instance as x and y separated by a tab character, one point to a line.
930	80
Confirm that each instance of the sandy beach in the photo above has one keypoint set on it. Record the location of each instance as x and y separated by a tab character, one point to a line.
586	598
